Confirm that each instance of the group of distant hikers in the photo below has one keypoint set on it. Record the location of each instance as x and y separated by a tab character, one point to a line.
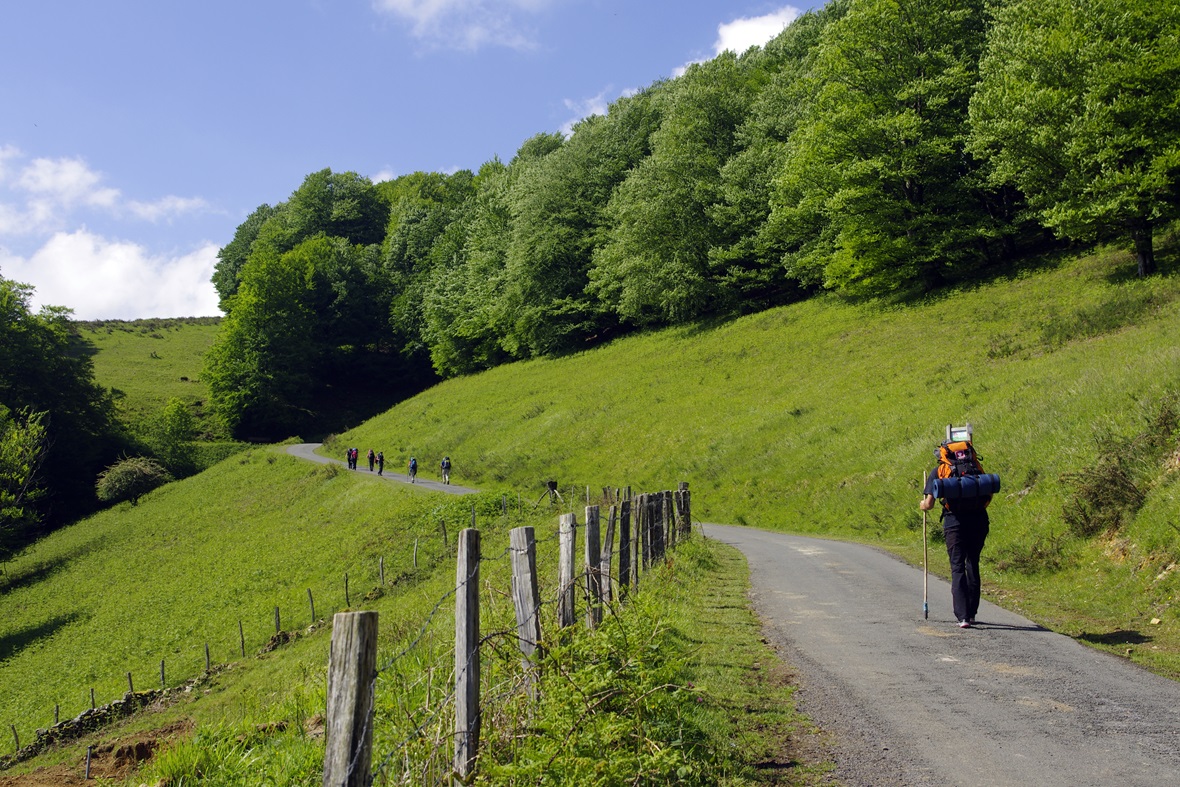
377	460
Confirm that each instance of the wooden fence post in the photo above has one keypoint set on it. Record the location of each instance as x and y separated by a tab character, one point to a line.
608	551
593	567
523	543
242	638
669	520
352	674
686	501
467	719
311	601
643	548
565	570
624	545
163	683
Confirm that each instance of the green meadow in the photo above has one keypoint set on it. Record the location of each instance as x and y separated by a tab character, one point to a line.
149	362
815	418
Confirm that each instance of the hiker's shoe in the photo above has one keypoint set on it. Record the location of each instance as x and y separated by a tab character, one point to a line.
964	624
971	621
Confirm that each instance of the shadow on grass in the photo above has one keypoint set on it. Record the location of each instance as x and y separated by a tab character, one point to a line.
10	582
14	643
1117	637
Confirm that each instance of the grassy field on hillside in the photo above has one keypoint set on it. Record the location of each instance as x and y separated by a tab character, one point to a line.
821	418
135	585
149	362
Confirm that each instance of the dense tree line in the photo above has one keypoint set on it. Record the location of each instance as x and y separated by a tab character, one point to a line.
57	426
874	148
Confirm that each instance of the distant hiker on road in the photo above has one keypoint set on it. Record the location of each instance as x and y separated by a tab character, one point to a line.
380	462
372	459
965	522
348	458
413	470
446	469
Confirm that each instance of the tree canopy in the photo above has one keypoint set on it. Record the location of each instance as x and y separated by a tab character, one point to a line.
875	148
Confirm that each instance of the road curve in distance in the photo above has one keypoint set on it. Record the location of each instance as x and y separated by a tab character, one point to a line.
307	451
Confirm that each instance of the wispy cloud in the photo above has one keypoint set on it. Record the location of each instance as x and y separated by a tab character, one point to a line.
467	24
103	279
45	195
584	108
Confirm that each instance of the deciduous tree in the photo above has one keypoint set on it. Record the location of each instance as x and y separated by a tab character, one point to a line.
1077	106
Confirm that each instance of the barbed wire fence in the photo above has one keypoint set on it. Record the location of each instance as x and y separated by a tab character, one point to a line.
427	704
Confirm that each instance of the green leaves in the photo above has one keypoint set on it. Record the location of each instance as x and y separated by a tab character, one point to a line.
130	479
1077	108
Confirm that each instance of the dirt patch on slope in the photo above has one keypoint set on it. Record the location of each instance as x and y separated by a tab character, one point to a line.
115	759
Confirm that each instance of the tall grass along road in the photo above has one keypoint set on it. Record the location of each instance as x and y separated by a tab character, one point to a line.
921	702
308	451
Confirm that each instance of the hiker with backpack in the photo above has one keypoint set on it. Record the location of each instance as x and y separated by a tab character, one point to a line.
372	459
964	490
380	463
413	470
445	465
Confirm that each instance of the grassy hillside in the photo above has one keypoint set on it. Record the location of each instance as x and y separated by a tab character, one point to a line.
135	585
815	418
148	362
821	418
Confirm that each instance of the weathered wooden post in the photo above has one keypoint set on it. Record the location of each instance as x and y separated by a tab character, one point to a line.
669	520
208	661
311	601
608	549
624	544
352	675
565	570
656	509
593	567
163	683
467	719
523	544
686	500
643	532
242	638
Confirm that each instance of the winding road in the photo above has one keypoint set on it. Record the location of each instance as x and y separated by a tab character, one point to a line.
915	702
921	702
308	451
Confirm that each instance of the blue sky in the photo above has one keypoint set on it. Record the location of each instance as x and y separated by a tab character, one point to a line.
135	135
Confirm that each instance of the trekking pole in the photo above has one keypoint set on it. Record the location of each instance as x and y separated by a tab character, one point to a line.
925	554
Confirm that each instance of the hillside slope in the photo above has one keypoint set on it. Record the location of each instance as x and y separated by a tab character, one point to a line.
822	416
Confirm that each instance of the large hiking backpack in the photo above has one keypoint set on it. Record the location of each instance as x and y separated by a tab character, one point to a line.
961	484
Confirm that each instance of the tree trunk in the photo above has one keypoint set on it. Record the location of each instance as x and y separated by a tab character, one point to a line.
1141	234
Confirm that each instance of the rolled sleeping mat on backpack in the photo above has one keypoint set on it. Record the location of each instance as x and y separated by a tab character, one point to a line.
960	487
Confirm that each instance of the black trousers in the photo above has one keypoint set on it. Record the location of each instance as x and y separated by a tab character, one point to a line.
964	544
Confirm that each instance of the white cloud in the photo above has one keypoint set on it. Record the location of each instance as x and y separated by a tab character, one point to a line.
104	279
383	175
744	32
43	196
741	34
467	24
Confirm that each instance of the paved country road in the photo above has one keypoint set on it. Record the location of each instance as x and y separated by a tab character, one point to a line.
307	451
920	702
